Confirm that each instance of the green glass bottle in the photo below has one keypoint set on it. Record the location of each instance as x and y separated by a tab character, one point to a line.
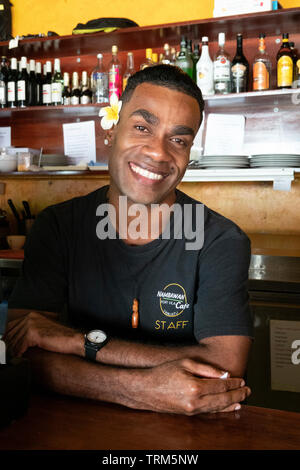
184	60
195	58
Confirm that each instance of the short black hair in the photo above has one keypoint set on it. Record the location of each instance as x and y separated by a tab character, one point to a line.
169	76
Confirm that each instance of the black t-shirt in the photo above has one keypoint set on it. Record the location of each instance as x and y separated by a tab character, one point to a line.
183	294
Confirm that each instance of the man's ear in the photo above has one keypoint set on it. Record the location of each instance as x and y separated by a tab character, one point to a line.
109	136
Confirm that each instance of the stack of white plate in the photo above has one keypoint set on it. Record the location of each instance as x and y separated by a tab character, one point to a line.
223	161
275	161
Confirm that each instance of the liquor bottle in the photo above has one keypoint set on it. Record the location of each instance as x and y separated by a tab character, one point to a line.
23	84
86	93
195	59
166	58
148	62
239	68
222	68
12	84
297	82
32	87
75	94
129	69
66	93
100	82
184	60
173	55
261	67
295	59
47	98
155	58
39	84
57	84
205	70
114	74
285	64
189	48
4	71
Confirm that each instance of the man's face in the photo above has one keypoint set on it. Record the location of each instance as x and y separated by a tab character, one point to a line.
151	144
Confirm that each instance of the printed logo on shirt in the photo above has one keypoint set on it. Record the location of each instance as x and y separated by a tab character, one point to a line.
173	300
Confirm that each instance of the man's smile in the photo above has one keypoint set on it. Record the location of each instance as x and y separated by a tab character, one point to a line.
150	175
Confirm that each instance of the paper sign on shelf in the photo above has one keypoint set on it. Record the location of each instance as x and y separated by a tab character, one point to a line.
80	142
5	136
225	134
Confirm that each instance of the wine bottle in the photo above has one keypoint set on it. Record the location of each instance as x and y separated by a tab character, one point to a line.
4	71
261	67
205	70
195	59
39	84
129	69
86	93
239	68
32	86
47	98
114	74
285	64
100	82
66	93
75	94
57	84
184	60
12	84
23	84
148	62
222	68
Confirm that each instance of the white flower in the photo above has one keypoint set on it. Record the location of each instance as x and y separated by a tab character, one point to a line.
110	114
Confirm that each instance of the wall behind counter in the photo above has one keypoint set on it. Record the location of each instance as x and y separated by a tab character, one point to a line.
254	206
61	16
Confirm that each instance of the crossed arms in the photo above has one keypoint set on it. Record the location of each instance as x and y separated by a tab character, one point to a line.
174	379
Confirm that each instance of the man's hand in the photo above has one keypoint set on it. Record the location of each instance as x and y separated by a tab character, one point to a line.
188	387
35	329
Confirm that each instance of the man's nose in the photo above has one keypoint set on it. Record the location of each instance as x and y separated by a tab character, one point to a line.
157	150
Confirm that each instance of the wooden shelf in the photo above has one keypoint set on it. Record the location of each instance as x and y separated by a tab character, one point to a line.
271	23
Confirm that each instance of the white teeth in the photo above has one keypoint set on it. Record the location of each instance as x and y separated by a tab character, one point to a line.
145	173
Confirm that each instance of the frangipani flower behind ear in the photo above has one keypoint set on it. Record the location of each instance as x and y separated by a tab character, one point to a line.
110	114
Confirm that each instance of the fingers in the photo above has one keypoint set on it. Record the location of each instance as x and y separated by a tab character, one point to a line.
222	401
203	370
213	386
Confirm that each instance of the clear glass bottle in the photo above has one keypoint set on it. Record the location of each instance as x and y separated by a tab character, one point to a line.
75	94
166	58
12	84
222	68
47	98
66	93
57	84
114	74
173	55
239	68
148	62
86	93
23	84
184	60
261	67
32	87
205	70
100	82
129	69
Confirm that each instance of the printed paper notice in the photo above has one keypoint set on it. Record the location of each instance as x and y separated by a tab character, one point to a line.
225	134
5	136
80	142
285	355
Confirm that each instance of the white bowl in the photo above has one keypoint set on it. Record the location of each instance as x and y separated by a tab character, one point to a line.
8	163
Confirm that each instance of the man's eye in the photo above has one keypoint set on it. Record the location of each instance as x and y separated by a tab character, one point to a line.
140	128
179	141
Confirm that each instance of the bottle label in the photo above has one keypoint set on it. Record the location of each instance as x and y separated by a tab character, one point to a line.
47	94
67	100
285	69
239	77
2	93
85	99
222	69
125	80
205	79
56	91
114	82
11	91
74	100
21	90
261	77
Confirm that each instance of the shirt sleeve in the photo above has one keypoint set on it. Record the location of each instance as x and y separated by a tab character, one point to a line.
43	284
222	303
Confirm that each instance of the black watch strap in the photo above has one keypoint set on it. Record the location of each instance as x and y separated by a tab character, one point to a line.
91	351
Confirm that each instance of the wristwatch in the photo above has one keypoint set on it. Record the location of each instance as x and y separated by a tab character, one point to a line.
94	341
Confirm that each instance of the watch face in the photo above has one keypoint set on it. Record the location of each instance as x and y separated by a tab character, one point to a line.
96	336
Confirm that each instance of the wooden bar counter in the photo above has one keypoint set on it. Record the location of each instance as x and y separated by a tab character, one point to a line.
55	422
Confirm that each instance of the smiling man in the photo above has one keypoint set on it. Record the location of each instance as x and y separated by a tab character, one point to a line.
151	325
